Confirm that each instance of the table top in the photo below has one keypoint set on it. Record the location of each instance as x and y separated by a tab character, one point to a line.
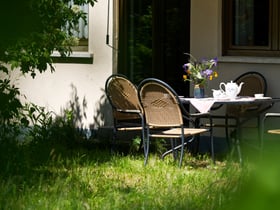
238	100
203	105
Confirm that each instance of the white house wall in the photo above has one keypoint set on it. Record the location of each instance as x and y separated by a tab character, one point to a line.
83	83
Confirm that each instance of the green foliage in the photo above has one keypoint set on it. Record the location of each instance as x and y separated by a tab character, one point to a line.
135	144
44	127
37	121
10	104
33	29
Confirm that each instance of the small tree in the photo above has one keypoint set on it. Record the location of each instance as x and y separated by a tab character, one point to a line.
30	31
34	28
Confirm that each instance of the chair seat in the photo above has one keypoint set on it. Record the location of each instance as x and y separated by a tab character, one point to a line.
129	128
274	131
176	132
219	125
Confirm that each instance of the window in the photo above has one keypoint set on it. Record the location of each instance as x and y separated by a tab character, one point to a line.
251	27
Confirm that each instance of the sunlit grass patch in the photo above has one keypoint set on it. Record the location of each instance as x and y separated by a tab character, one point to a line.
93	179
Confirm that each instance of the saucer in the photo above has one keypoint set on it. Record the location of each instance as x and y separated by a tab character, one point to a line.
261	98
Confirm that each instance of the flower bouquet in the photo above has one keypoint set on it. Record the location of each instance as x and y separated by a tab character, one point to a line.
199	72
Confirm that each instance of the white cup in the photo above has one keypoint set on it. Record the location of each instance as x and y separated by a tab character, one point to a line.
218	93
258	95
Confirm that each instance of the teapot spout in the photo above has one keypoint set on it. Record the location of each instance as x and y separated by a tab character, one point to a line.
239	87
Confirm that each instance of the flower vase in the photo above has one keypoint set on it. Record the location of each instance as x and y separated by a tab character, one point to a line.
198	91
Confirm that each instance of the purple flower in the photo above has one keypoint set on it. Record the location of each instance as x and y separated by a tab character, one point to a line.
185	66
214	61
207	72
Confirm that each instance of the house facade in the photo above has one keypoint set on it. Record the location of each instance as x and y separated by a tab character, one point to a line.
209	28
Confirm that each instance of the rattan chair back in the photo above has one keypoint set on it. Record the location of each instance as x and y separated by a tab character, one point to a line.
254	82
160	104
123	97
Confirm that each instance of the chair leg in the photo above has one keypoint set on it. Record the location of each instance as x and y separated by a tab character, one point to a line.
197	137
114	140
174	152
262	136
237	142
239	138
147	152
142	142
142	132
182	150
238	149
212	142
146	143
227	133
260	132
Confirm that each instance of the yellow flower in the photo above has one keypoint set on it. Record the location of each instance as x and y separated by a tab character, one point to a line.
185	77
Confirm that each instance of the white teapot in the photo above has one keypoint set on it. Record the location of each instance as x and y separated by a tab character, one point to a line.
231	89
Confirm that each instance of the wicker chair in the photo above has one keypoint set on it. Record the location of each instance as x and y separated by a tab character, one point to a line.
164	116
127	110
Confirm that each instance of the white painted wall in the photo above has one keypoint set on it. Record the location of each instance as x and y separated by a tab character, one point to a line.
204	28
55	90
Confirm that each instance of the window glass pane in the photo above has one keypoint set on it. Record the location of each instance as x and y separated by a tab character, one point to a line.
82	27
250	23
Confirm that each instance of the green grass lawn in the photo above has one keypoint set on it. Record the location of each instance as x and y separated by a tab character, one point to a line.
46	177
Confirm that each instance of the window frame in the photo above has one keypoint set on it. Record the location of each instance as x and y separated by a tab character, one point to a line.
273	47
